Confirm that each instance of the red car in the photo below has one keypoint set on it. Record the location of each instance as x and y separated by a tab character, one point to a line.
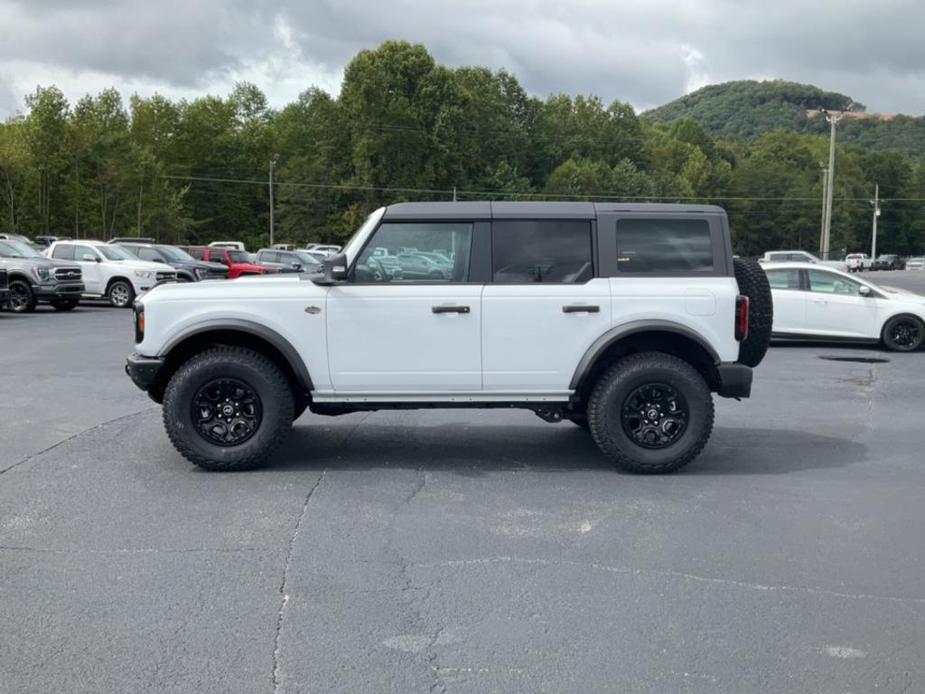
239	263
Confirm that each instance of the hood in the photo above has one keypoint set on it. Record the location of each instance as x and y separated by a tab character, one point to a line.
904	295
37	262
243	288
142	265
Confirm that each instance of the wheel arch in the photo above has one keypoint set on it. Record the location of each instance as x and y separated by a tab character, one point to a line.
116	278
236	333
641	336
900	314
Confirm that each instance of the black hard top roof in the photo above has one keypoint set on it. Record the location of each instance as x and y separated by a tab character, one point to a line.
535	209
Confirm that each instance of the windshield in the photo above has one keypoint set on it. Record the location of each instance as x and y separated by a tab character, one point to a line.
18	249
172	253
238	257
115	253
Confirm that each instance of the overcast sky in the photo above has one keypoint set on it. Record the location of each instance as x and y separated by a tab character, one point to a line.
646	52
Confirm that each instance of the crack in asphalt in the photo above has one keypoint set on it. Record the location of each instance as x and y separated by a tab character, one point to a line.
63	441
667	573
285	581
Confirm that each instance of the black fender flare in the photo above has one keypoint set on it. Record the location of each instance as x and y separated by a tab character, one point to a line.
290	354
600	345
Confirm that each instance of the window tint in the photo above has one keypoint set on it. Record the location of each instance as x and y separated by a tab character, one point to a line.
63	251
784	279
416	252
149	254
830	283
529	251
664	245
197	253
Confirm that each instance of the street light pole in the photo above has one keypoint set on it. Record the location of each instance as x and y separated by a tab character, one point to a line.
833	119
272	166
873	236
825	198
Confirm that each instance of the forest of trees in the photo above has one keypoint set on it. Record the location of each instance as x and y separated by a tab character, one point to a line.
406	128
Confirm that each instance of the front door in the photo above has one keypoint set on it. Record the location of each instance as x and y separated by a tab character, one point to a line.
406	336
89	261
836	308
543	308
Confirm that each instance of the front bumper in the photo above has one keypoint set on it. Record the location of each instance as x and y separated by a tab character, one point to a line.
734	380
59	290
143	370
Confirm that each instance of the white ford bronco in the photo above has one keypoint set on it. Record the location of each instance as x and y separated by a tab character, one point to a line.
622	318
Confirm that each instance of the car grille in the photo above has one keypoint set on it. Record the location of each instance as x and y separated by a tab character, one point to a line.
67	273
166	276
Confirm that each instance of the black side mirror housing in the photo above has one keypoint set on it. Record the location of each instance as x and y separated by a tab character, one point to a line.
335	270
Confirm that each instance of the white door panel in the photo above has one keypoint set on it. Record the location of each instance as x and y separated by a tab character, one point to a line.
535	334
401	338
789	310
841	315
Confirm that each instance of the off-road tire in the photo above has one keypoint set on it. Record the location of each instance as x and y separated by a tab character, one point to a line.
753	283
113	292
25	302
605	408
262	375
65	304
891	344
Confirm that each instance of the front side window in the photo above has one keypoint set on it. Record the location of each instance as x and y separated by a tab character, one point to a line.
829	283
84	253
401	252
197	253
664	245
115	253
784	279
528	251
149	254
238	257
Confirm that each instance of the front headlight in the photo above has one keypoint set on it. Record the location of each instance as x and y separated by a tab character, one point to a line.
41	273
144	275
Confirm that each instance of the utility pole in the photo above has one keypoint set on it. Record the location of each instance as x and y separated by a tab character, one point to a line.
825	198
833	119
272	166
873	236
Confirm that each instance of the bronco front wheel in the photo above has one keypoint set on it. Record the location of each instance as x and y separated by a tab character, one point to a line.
651	413
228	408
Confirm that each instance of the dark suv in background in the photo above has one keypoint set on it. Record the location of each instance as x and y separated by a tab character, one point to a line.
35	279
188	268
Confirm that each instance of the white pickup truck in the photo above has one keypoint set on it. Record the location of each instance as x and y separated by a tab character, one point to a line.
859	262
801	257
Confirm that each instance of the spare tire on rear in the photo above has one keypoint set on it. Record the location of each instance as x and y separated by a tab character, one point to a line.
753	283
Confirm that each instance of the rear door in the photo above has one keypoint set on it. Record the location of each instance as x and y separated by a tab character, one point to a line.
544	305
789	297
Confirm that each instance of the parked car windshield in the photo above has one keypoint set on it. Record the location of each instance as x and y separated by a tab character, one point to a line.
175	254
115	253
17	249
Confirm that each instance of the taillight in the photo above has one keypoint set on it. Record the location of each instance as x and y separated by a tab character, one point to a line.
741	329
139	322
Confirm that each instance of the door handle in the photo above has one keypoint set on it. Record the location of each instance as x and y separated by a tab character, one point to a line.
820	301
449	309
581	308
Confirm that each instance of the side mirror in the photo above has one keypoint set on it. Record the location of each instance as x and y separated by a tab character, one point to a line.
335	270
864	290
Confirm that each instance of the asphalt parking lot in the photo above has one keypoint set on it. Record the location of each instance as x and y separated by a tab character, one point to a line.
482	551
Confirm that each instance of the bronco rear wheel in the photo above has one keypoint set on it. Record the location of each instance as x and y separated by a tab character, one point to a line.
228	408
651	413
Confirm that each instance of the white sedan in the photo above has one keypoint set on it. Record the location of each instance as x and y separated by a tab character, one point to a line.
811	302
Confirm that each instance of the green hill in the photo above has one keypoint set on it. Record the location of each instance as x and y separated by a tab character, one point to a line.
748	109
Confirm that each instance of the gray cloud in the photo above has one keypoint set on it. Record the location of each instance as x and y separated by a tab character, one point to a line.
645	53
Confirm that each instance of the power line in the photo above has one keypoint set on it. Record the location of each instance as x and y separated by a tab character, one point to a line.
460	191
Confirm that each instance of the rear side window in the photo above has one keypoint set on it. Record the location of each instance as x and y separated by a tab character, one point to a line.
784	279
63	251
528	251
664	245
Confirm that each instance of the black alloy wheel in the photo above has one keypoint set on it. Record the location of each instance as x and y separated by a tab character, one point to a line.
227	411
21	298
654	415
903	334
